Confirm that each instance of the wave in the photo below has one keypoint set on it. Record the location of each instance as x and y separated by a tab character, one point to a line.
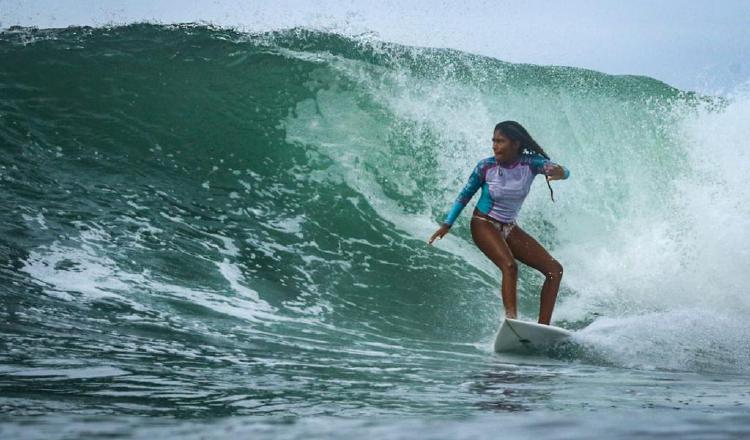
200	181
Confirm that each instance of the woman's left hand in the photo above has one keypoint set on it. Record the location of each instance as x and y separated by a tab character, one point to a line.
554	172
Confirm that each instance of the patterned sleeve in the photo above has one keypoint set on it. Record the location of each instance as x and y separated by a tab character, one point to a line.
539	165
476	179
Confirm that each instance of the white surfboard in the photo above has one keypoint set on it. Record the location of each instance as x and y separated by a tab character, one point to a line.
524	336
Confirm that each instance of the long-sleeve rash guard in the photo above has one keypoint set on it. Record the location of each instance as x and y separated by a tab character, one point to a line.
504	187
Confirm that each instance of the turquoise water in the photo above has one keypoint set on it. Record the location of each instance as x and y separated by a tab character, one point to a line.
210	234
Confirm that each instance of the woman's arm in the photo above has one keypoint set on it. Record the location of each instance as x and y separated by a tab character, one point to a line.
555	171
467	192
475	182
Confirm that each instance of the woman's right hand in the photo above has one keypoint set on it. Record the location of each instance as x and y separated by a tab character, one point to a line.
440	233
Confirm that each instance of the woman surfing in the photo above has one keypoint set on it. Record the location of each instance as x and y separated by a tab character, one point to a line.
505	179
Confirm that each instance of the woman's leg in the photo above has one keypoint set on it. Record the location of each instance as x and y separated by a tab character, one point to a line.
530	252
492	244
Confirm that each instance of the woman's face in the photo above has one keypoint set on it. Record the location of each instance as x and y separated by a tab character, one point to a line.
504	148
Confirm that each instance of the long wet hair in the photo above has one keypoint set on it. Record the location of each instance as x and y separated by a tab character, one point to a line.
516	132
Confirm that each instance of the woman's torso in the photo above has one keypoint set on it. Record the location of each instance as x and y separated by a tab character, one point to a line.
505	188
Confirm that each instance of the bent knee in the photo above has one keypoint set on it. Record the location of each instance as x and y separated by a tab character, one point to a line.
554	270
509	267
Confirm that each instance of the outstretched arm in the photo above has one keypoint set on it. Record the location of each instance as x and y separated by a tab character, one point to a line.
467	192
475	182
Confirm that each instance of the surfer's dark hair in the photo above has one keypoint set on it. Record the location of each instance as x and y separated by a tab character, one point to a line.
516	132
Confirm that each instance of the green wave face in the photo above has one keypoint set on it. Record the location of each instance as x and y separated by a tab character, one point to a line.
263	201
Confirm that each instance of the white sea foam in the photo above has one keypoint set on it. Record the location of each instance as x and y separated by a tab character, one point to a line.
670	278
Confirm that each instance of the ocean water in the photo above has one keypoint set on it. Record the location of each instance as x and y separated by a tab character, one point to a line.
214	234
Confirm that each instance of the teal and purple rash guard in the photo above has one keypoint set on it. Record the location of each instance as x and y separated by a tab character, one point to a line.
504	187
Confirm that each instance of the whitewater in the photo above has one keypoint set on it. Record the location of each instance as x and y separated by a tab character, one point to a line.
209	232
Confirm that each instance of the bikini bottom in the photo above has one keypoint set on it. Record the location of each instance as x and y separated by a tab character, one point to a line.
503	228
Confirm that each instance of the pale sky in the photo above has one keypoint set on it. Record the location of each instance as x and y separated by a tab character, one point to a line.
690	44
